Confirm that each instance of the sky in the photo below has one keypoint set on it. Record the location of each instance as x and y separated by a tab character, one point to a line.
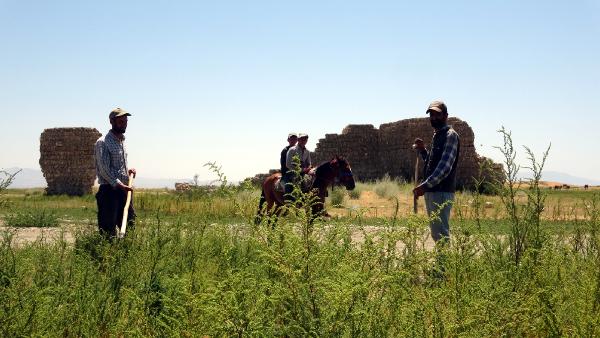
225	81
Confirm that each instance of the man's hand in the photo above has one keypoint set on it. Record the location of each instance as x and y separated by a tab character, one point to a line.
419	145
131	171
308	170
419	191
123	187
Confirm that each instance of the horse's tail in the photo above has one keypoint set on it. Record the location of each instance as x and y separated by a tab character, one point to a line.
261	203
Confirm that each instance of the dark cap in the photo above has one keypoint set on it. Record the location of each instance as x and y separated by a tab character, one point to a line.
438	106
117	112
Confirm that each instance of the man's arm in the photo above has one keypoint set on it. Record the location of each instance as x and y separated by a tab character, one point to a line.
283	158
445	165
419	146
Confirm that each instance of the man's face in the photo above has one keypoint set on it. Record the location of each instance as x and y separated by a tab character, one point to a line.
119	124
292	140
437	119
302	141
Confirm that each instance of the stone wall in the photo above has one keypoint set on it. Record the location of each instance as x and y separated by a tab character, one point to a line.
374	152
67	160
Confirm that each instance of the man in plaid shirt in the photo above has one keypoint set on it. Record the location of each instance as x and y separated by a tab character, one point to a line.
440	170
113	175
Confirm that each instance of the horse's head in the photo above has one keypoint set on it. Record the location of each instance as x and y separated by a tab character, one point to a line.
344	172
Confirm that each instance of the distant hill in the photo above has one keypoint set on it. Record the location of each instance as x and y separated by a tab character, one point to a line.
33	178
27	178
555	176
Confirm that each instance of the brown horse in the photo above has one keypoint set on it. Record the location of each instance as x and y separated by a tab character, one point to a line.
328	173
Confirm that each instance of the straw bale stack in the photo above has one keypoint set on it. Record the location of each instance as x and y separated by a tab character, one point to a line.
388	150
67	160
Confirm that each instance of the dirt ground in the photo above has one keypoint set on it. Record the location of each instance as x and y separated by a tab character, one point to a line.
49	235
44	235
372	205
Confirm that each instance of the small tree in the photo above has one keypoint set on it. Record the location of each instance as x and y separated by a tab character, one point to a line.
6	179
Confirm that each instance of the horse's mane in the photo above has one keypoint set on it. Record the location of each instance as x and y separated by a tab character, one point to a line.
325	164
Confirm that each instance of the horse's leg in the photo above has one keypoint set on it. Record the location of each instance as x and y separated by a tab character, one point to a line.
261	203
318	207
272	204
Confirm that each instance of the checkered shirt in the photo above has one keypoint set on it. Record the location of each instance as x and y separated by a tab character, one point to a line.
111	160
448	157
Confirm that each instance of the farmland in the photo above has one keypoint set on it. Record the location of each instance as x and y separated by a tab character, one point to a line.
196	264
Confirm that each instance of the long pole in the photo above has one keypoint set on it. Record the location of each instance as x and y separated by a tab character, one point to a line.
121	233
415	198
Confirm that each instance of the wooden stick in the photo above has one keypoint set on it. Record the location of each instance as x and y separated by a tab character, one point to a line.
121	233
415	198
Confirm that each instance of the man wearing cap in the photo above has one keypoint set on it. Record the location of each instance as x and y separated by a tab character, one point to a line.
113	175
440	170
303	154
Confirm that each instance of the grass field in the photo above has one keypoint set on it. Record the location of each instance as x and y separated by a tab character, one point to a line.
196	264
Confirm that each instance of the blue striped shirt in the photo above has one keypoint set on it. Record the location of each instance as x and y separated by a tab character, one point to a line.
448	157
111	160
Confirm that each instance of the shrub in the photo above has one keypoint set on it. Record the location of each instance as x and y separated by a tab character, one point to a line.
355	193
41	218
336	197
387	187
6	180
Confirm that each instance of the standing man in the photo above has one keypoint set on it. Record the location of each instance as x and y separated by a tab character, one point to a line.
113	175
440	170
303	154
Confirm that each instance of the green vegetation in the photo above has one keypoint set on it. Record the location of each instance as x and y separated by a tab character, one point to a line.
387	187
356	192
41	218
196	265
336	196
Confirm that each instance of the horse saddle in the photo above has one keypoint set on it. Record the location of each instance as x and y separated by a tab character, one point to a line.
278	186
306	183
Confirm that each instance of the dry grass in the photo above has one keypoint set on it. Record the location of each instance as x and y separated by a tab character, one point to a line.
560	205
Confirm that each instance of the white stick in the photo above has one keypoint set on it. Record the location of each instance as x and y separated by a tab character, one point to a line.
416	199
121	233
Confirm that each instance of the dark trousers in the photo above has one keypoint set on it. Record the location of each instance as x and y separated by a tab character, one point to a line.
289	180
111	202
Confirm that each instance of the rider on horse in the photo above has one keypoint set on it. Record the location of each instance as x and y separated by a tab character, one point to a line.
290	178
292	140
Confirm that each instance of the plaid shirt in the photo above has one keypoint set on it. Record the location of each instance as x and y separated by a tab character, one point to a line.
448	157
111	160
303	154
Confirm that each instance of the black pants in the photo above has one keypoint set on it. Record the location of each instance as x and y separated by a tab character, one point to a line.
289	182
111	202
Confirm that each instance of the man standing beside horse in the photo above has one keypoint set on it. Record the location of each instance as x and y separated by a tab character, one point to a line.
440	170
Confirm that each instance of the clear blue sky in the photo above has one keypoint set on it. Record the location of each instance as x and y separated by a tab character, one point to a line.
226	80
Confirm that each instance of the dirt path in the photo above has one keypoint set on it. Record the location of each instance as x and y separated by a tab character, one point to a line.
44	235
50	235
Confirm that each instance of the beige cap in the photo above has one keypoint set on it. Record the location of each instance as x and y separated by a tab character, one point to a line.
302	135
117	112
292	135
438	106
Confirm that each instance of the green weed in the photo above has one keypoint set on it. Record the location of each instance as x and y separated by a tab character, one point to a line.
41	218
